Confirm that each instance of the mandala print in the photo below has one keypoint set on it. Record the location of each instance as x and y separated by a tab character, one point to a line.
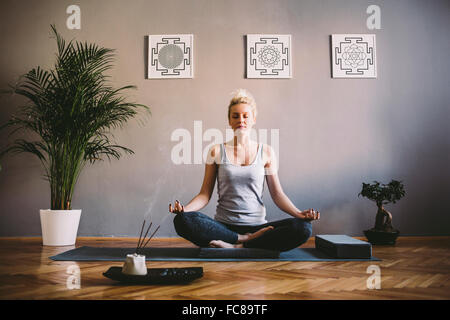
269	56
170	56
354	56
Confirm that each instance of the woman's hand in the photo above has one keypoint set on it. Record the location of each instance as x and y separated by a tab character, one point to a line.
177	208
309	215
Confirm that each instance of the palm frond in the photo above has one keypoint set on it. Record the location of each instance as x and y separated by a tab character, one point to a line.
73	109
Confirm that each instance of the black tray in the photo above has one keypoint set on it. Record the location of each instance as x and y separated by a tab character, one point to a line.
156	275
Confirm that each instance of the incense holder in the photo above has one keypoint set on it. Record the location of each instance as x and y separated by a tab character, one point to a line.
135	265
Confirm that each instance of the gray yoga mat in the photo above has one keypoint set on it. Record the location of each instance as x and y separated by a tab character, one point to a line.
87	253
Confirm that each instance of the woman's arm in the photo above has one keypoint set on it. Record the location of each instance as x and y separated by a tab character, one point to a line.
209	180
277	193
280	198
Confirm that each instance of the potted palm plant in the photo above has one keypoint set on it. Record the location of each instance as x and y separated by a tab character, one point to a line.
70	114
382	194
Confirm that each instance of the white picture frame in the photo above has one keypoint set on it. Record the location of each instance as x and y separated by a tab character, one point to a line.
269	56
353	56
170	56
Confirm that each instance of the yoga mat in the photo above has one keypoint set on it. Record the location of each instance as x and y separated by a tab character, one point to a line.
87	253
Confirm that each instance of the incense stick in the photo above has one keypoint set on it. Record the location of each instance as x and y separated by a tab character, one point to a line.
141	240
151	237
142	229
148	229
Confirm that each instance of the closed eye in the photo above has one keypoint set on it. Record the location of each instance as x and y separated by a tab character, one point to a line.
236	116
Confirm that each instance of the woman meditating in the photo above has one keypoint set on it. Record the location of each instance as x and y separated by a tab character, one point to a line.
240	166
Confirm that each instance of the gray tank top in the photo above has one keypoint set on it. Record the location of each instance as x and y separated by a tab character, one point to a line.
240	190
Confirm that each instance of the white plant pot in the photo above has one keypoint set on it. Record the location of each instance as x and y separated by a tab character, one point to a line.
59	227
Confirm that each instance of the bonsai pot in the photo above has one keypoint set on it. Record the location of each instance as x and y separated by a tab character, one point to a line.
59	227
381	237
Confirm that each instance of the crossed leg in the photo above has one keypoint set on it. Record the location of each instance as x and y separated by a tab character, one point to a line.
200	229
241	240
279	235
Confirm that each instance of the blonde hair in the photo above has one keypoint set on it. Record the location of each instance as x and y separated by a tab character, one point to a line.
242	96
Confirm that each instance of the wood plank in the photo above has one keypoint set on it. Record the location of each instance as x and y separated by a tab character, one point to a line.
415	268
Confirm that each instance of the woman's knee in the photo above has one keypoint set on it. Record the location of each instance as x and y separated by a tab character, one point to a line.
185	222
182	222
302	229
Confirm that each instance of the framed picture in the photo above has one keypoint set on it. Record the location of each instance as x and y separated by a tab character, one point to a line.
170	56
269	56
353	56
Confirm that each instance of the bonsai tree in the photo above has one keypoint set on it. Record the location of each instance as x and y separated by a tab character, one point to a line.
383	194
71	111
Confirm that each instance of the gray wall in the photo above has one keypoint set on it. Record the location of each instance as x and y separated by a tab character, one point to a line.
334	133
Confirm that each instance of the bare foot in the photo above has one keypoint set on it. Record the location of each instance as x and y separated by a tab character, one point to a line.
223	244
254	235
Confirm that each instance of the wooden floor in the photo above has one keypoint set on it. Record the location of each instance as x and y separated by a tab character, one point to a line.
416	268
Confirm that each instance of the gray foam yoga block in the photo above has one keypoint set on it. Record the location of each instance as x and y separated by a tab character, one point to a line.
342	246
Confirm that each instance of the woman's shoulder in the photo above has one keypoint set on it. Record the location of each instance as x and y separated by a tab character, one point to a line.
215	149
214	154
268	153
